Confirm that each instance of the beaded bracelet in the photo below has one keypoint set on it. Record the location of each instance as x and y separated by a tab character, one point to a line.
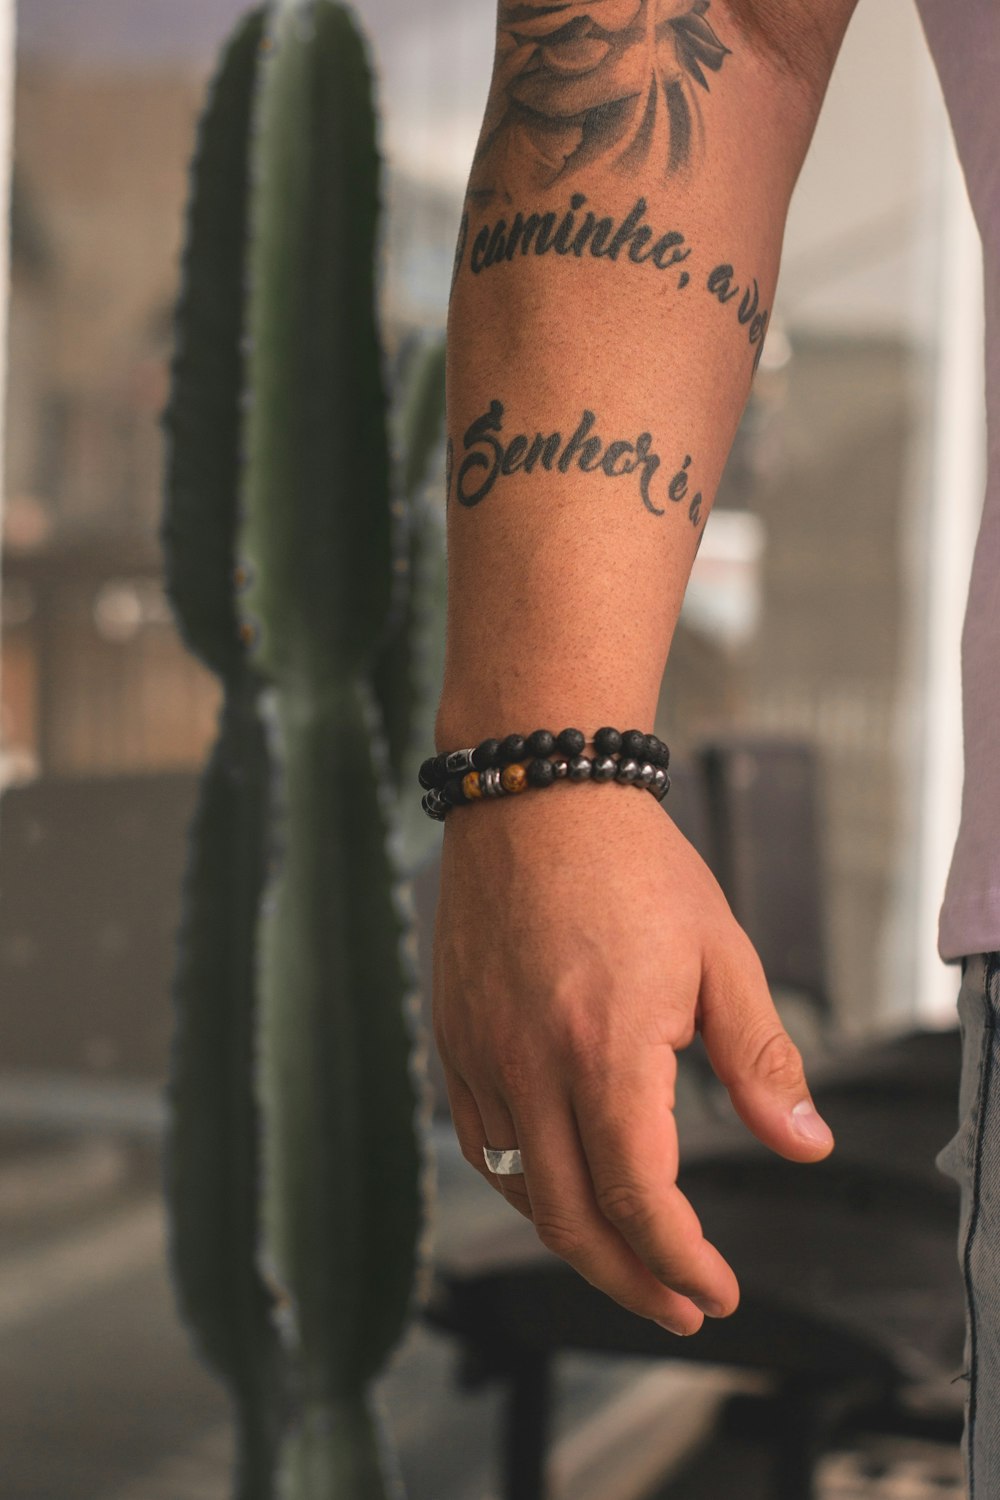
497	768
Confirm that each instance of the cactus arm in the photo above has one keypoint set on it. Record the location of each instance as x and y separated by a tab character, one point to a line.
342	1205
316	436
203	416
211	1160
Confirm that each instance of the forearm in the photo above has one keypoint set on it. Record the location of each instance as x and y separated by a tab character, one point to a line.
606	321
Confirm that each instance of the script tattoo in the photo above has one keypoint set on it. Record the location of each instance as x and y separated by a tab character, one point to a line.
574	233
749	313
489	456
584	81
584	233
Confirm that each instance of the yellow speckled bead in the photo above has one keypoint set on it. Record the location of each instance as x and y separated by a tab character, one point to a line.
471	785
514	778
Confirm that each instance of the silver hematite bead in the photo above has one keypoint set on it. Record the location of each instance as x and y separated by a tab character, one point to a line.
458	762
580	768
646	774
561	769
661	784
605	767
491	783
628	770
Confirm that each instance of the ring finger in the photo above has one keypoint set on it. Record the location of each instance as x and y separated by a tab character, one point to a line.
485	1121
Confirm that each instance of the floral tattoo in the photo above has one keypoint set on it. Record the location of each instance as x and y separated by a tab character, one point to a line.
595	81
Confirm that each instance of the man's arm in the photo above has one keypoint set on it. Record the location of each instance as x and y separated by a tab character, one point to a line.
613	284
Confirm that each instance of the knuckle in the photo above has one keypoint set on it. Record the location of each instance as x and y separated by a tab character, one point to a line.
559	1235
584	1046
778	1062
512	1073
624	1206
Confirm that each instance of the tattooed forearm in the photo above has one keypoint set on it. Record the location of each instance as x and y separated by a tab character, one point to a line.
585	81
490	455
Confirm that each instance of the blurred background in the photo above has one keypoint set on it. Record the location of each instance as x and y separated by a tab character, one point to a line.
826	605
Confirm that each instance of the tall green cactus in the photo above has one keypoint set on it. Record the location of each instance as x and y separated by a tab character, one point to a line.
293	1012
212	1151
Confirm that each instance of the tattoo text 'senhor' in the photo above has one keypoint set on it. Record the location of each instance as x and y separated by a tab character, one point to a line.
488	458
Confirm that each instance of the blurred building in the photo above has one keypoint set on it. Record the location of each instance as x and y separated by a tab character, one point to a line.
94	678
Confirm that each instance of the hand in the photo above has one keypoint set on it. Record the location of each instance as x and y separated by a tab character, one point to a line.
580	943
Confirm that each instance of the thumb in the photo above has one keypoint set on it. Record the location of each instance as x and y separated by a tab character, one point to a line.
755	1058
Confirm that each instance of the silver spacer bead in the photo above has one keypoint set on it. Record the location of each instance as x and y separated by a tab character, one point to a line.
561	769
580	768
604	768
628	770
492	785
458	762
646	774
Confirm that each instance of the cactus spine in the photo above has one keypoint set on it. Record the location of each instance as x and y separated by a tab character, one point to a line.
293	1010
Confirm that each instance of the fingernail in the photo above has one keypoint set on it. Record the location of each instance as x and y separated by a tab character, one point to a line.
668	1329
807	1123
709	1308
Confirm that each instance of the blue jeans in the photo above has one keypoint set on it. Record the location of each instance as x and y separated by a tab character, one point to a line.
972	1158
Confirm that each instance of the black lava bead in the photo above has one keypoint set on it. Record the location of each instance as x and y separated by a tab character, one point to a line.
580	768
542	742
512	748
426	773
541	773
486	754
658	752
634	744
607	741
571	741
440	770
452	792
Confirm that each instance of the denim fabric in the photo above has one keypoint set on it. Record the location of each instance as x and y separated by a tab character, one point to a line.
972	1158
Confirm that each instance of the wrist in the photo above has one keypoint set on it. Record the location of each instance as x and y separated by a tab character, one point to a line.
465	723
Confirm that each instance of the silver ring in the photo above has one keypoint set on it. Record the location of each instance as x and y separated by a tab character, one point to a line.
503	1163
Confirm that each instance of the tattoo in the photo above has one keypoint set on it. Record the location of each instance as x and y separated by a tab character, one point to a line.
584	81
463	236
749	313
488	458
565	234
570	231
